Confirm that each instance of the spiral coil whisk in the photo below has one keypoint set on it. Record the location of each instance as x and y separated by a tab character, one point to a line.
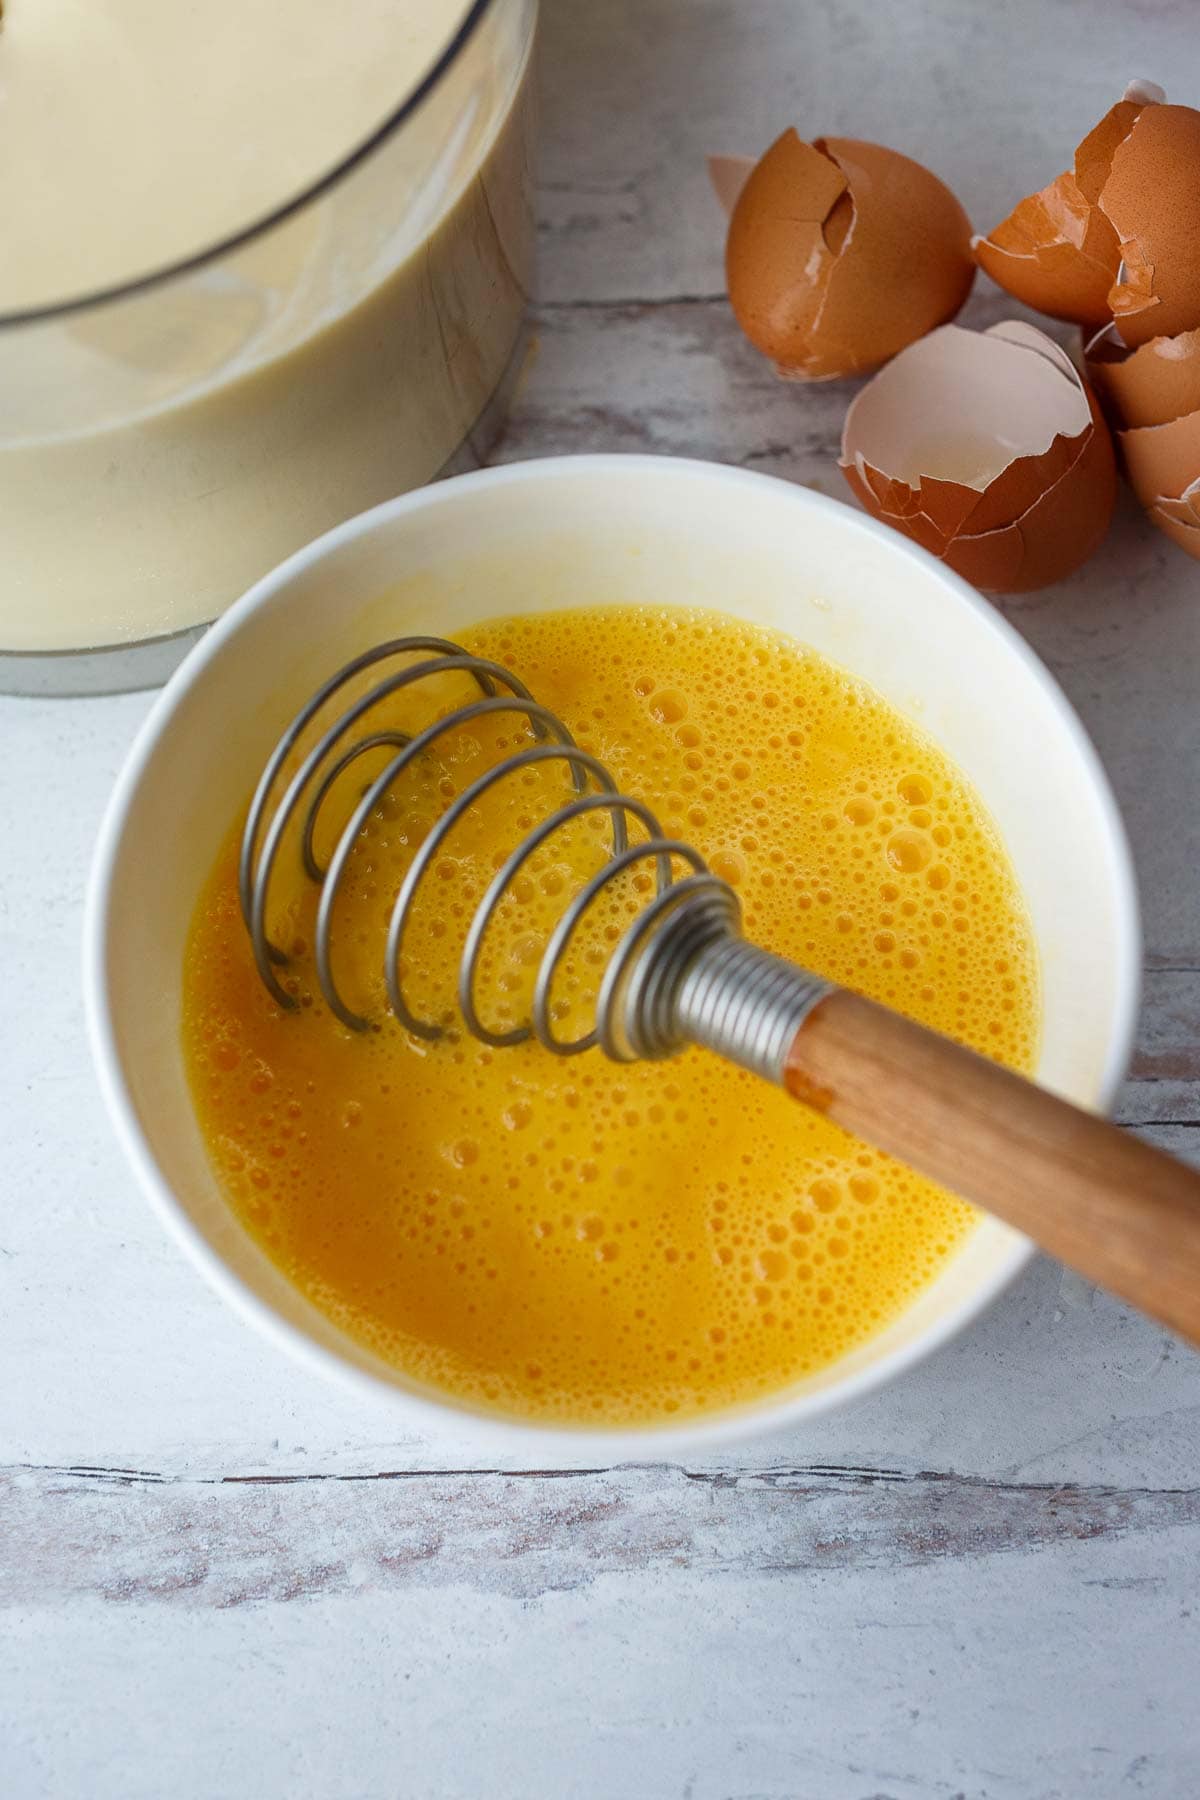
680	972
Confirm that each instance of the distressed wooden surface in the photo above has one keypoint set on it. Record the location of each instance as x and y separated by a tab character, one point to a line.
221	1577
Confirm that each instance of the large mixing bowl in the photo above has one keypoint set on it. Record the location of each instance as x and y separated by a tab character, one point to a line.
164	442
587	531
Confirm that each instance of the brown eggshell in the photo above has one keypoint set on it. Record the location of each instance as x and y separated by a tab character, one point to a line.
1057	251
1152	385
1152	197
991	561
1050	540
1185	510
1070	521
1180	519
840	253
1010	401
1162	461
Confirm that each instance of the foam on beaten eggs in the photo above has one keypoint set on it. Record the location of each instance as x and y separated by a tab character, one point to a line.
573	1240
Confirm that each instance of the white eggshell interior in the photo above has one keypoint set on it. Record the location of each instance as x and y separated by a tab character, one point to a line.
962	405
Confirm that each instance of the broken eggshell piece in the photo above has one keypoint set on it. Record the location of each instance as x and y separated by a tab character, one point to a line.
1116	238
1152	196
1157	382
987	449
1058	251
1163	465
839	253
1180	519
1153	396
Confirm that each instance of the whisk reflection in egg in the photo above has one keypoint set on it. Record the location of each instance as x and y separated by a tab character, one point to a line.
680	972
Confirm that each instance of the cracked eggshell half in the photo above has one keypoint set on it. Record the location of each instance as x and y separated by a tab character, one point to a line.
1057	250
1153	396
989	450
1157	382
1163	465
839	253
1117	237
1152	197
1180	519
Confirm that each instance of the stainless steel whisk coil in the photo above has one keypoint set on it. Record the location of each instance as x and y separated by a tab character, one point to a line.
680	973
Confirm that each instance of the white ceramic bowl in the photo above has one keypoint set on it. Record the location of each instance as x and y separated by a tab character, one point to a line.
584	531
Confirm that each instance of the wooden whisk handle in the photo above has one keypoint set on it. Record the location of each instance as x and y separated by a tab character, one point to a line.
1121	1213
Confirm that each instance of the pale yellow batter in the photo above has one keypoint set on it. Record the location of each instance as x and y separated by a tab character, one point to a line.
137	132
160	452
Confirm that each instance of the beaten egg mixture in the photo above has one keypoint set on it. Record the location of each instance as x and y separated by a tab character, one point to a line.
567	1239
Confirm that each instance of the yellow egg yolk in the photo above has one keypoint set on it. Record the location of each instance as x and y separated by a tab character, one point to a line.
568	1239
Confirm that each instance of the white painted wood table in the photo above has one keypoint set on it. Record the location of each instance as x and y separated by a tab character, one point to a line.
221	1577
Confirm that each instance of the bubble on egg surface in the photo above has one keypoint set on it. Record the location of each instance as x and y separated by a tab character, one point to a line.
659	1239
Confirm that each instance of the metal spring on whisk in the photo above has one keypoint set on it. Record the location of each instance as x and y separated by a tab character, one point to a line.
679	973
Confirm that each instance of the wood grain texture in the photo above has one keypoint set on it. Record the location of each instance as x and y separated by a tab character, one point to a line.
1163	1086
244	1540
853	1634
980	1582
1006	1678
